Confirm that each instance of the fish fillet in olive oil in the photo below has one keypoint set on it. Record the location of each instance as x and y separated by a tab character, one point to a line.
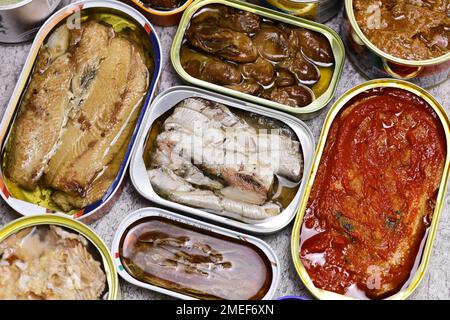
78	113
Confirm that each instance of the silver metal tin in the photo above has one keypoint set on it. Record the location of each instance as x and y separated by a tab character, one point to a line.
155	212
101	207
20	19
168	100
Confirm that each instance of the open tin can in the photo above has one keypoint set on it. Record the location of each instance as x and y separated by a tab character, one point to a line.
21	19
374	63
103	255
129	229
73	12
424	252
306	112
167	101
316	10
161	17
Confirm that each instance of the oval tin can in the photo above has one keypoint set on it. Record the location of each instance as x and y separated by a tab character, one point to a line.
423	256
66	222
21	19
73	12
164	18
304	113
167	101
156	212
316	10
374	63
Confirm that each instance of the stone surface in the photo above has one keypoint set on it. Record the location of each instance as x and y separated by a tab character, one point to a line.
436	282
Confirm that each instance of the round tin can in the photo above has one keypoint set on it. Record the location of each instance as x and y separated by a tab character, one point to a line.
21	19
423	256
78	227
163	18
374	63
166	102
317	10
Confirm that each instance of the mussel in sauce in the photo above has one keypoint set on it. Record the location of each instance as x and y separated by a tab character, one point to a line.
305	71
274	60
298	95
194	262
163	4
272	43
229	44
209	68
314	46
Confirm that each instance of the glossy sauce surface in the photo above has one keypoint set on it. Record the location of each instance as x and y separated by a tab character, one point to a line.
194	262
245	52
374	194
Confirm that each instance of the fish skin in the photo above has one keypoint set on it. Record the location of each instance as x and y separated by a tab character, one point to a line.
39	122
90	137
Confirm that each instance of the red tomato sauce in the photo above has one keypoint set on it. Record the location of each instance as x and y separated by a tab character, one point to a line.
374	194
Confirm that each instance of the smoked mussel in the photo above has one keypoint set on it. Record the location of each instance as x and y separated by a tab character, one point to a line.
191	262
276	61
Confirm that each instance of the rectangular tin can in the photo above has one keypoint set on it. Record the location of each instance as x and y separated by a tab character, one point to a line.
428	238
78	227
156	212
159	17
21	19
374	63
304	113
100	208
167	101
316	10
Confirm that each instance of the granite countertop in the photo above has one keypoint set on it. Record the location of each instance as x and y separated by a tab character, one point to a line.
436	282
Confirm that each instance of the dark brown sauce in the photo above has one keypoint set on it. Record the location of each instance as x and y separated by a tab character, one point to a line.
195	262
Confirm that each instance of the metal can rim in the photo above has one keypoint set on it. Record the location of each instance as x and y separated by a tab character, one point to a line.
415	63
74	225
335	41
404	293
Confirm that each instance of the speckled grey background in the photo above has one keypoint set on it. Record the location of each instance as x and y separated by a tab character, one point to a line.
436	283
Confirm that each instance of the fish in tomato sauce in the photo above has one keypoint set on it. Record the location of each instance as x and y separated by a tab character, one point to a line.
374	194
